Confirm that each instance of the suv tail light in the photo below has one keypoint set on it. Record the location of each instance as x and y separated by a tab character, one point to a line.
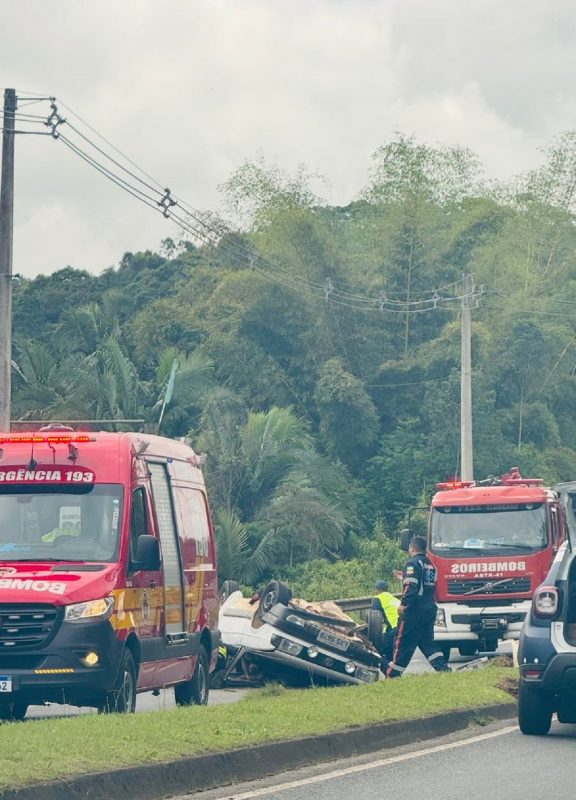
546	602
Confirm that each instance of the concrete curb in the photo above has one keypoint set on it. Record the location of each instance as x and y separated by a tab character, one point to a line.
197	773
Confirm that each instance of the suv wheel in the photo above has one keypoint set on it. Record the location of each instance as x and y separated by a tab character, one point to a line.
534	711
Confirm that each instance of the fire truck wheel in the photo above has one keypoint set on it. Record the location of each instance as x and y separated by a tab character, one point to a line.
13	710
534	711
195	691
122	698
275	592
375	628
228	588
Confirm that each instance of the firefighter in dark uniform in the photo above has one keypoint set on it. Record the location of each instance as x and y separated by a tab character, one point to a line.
417	613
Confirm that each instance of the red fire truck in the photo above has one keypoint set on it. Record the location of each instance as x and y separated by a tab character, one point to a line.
107	570
492	544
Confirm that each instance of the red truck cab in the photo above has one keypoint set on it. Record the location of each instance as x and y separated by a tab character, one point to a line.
107	570
492	544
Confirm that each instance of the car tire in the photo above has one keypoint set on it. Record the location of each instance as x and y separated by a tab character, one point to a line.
275	592
534	711
228	588
13	710
122	698
195	692
375	628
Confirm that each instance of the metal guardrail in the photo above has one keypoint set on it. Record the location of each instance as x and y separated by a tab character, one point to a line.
354	603
358	603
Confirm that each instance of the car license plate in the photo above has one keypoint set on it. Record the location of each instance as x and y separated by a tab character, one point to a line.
334	641
5	683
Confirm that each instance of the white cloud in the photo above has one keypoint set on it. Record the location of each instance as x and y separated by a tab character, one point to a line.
190	88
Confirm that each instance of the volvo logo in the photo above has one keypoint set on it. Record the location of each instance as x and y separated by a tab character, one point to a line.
489	587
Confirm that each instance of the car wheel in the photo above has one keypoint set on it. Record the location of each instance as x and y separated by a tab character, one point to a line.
375	628
195	691
13	710
275	592
122	698
228	588
534	711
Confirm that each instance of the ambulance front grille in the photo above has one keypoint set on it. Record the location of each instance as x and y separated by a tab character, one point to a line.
24	625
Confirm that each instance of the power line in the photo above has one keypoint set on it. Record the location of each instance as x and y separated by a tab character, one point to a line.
209	232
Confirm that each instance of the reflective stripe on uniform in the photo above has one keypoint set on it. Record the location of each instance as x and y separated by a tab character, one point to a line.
411	580
434	656
395	667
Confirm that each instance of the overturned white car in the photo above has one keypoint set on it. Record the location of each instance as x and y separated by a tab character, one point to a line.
275	636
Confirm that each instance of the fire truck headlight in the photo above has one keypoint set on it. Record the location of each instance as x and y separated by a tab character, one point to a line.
440	619
92	611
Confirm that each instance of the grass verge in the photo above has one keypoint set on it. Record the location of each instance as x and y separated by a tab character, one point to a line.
55	748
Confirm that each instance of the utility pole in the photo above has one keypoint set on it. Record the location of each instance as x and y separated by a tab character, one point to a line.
6	218
466	457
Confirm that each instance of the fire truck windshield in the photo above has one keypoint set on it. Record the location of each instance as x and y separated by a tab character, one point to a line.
489	528
71	523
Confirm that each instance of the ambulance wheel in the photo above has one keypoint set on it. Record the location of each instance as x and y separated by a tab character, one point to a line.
228	588
375	628
122	698
13	710
275	592
195	691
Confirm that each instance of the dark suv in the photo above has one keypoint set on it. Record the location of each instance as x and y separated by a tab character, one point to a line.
547	654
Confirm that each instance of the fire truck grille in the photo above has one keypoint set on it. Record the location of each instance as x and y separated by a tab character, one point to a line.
513	586
26	625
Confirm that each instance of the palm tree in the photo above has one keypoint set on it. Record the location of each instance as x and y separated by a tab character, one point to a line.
279	498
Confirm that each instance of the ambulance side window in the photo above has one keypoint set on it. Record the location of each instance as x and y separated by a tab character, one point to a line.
138	523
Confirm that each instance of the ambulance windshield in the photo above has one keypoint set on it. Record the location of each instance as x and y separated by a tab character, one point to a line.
52	523
490	529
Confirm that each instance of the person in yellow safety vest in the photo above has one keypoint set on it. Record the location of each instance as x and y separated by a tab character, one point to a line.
388	604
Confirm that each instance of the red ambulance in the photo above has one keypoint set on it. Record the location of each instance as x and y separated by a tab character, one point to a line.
107	570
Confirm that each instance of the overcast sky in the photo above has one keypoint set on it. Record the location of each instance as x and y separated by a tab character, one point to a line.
189	89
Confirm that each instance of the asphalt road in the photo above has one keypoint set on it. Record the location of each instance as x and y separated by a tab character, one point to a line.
479	764
144	703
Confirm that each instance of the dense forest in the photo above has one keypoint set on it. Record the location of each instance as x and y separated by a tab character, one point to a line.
315	351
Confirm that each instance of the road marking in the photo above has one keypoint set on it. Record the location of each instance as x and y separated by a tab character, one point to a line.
383	762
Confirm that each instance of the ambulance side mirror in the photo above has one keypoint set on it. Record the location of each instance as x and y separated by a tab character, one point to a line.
405	536
147	554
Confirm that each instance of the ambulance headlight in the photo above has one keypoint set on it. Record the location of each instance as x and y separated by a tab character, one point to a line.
440	619
92	611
